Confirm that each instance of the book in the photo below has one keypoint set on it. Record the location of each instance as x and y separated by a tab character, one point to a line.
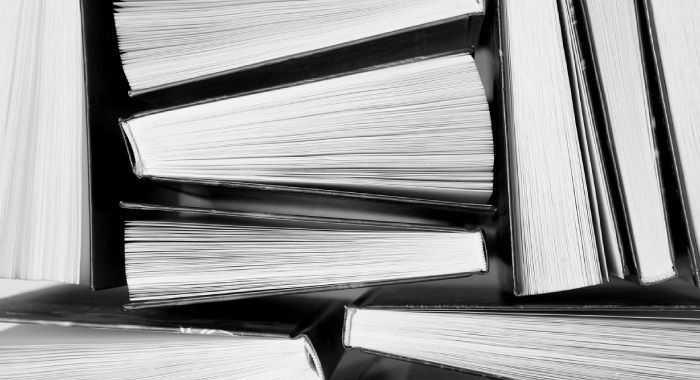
184	255
106	353
583	333
671	40
163	45
412	130
42	123
548	230
617	73
276	337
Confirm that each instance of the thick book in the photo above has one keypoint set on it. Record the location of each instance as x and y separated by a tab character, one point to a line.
671	40
538	213
416	131
42	148
632	198
551	336
185	255
294	334
166	45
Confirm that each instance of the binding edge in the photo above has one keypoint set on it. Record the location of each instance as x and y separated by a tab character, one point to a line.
349	314
312	358
132	149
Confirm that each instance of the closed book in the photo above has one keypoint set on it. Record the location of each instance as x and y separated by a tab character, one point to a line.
487	332
300	333
43	197
533	206
318	137
162	45
185	255
665	23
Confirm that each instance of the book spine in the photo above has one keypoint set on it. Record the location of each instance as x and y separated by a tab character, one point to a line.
347	326
132	149
312	358
509	245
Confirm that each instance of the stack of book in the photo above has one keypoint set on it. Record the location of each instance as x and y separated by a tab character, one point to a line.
249	188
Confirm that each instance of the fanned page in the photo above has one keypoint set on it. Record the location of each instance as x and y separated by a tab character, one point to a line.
623	80
533	346
419	129
42	122
678	39
551	220
59	352
166	43
170	261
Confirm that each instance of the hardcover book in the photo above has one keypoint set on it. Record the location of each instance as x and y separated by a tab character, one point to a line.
299	334
184	255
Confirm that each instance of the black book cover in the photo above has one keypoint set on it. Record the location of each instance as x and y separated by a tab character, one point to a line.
109	175
356	365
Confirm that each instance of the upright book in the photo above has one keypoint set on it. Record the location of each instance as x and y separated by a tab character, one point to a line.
274	338
673	39
550	230
166	44
178	255
42	149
